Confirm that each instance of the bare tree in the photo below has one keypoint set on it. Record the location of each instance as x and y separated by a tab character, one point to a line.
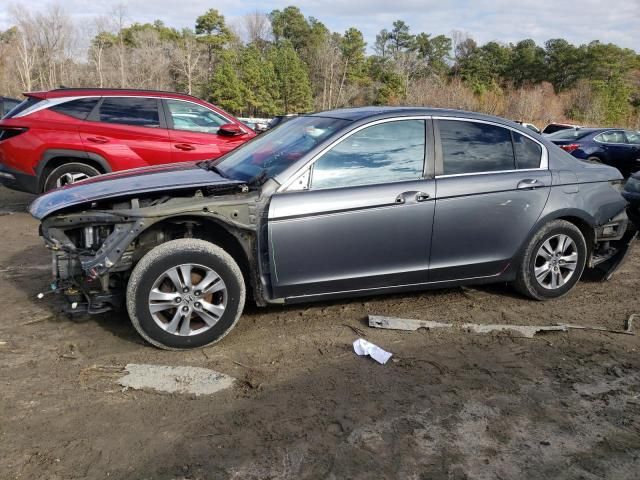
257	28
27	52
119	15
187	56
101	40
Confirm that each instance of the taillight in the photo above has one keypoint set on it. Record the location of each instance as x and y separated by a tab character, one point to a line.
10	132
570	148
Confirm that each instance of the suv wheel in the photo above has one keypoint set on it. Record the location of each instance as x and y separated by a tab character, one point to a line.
553	261
69	173
185	294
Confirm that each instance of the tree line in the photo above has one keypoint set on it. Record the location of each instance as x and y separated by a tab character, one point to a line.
284	62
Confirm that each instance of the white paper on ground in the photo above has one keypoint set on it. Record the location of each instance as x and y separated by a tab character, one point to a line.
362	347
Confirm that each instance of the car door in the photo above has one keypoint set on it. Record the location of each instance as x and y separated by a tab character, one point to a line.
193	129
365	220
128	132
633	140
617	152
492	185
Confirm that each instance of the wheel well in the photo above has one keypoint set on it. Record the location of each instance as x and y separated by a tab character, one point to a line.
204	229
56	162
587	231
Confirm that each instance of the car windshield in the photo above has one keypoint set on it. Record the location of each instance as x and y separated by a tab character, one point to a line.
272	152
571	134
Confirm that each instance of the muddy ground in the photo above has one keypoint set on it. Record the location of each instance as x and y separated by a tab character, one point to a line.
448	405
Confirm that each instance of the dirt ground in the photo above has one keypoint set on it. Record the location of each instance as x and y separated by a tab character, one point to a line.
448	405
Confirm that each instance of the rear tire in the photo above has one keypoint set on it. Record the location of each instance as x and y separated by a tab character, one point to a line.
68	174
553	261
185	294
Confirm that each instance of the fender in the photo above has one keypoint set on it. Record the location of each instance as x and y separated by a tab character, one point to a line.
49	155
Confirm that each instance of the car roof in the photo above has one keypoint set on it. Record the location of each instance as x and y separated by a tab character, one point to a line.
355	114
107	92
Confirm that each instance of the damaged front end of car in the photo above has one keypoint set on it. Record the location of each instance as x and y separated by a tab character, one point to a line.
91	253
94	247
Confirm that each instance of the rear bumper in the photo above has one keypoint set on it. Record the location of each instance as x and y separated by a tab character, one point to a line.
16	180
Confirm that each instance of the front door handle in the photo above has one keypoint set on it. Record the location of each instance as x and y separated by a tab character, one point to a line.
184	146
529	183
412	196
98	139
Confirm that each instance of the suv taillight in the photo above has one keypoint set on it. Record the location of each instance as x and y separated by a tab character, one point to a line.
570	148
9	132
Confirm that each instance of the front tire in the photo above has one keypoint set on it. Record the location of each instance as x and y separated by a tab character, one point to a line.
553	261
185	294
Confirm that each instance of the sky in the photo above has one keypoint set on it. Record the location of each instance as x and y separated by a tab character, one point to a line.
578	21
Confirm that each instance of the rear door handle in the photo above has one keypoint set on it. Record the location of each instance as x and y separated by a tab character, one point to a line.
98	139
529	183
422	197
184	146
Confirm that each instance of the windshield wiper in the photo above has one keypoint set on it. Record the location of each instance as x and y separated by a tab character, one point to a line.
259	179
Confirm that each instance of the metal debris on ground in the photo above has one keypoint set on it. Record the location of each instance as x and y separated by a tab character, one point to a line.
190	380
394	323
526	331
629	324
362	347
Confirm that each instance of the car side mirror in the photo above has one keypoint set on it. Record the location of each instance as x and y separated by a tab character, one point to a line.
230	129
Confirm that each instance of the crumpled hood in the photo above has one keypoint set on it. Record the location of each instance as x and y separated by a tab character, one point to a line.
161	178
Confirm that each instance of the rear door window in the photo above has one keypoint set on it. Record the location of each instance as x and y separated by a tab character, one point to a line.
612	136
474	147
528	152
136	111
79	108
384	153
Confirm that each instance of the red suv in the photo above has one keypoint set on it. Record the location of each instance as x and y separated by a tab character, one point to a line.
58	137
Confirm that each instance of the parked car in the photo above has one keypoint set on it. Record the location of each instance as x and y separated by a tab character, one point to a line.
336	204
615	147
59	137
6	104
530	126
556	127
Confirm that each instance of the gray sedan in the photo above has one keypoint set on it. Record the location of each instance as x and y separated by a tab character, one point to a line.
334	204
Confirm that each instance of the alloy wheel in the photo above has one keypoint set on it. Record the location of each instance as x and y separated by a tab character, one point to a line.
188	299
556	261
69	178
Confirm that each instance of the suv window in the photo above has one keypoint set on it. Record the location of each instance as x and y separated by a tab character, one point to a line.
472	147
21	107
387	152
633	137
194	118
528	152
79	109
140	112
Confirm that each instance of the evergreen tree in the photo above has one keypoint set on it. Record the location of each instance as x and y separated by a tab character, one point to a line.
352	47
292	79
259	85
225	89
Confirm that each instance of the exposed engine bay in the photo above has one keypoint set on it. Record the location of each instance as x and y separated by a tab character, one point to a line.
94	250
